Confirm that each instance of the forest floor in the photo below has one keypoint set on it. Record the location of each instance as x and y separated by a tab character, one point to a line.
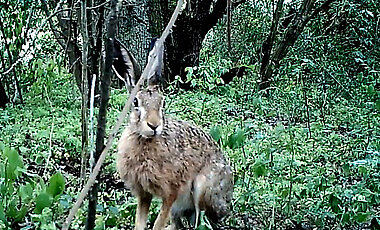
290	173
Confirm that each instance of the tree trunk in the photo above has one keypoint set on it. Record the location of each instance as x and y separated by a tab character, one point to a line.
104	97
268	43
84	155
3	96
304	15
184	44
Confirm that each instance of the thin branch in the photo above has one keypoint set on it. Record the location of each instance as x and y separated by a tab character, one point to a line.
92	142
56	34
122	116
51	133
69	35
229	18
98	6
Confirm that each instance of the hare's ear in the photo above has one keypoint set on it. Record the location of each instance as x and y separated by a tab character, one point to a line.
155	73
125	65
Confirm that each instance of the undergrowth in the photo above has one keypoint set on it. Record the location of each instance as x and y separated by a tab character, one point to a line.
292	167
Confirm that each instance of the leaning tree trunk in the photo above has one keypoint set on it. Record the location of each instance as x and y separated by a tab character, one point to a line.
269	41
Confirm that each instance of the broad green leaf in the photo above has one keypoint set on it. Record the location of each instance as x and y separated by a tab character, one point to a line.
43	201
346	169
237	139
21	213
215	133
14	159
370	90
111	221
56	185
362	217
11	209
26	191
259	169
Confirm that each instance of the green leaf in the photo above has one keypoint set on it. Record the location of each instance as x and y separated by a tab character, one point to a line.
370	90
26	191
363	170
21	213
56	185
11	209
362	217
14	159
346	169
43	201
111	221
259	169
377	106
2	213
334	203
237	139
215	133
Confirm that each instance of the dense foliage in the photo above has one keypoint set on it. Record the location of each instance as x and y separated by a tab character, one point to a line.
305	151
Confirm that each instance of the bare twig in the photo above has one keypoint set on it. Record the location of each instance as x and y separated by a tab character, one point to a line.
92	143
98	6
69	33
51	133
122	115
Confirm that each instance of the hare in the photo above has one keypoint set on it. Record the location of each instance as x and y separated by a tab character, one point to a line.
173	160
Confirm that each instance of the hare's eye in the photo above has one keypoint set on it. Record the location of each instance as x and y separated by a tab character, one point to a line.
135	102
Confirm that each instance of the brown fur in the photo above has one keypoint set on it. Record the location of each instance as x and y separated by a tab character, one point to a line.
176	161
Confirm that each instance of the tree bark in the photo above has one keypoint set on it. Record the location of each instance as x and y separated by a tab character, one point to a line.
184	44
85	40
3	96
268	43
104	98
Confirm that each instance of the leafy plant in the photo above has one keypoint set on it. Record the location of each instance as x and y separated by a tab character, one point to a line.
21	194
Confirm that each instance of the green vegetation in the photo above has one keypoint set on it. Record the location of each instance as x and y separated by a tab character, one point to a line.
305	151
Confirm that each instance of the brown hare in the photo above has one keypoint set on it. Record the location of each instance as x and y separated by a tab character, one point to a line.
173	160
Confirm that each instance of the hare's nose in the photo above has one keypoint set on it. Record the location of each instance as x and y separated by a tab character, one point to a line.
153	127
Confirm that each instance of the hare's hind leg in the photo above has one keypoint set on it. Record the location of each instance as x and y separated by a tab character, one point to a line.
143	204
162	218
198	191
